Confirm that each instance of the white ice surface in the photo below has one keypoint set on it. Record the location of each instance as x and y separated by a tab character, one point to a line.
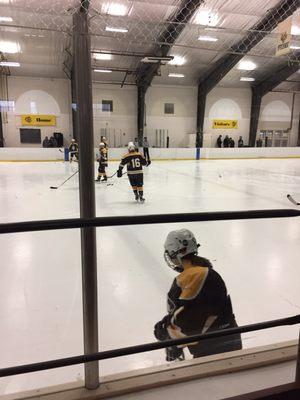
40	276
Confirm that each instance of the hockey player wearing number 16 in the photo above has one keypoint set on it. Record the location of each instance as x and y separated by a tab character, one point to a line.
134	162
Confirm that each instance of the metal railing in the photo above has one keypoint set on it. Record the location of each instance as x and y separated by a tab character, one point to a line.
142	348
73	223
147	219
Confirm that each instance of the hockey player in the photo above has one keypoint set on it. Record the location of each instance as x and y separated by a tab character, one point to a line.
102	159
73	151
134	161
198	301
104	141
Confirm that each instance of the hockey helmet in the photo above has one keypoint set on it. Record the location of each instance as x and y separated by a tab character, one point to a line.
131	146
179	244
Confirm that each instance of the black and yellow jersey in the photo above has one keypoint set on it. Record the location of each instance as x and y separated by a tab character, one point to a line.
197	299
134	161
102	159
73	147
106	147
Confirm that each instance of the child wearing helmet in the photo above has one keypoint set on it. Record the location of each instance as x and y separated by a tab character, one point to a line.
102	160
134	162
104	141
73	151
198	301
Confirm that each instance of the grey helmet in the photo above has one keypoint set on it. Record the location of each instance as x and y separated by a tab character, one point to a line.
178	244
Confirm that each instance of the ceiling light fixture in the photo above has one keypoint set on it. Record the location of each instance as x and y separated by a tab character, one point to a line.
177	60
9	64
205	17
156	60
114	9
295	30
102	56
112	29
106	71
173	75
6	19
207	38
247	66
9	47
247	79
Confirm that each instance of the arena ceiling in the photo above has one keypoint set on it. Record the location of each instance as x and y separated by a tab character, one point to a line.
125	32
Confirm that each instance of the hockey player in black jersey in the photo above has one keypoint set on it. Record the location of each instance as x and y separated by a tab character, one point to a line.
134	162
73	151
102	159
198	301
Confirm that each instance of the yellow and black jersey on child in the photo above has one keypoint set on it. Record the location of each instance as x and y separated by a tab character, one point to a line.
134	162
197	303
73	148
102	159
106	147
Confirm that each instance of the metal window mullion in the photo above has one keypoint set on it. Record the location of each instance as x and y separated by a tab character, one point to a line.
84	129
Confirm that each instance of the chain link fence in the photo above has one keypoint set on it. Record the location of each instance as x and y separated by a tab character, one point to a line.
196	33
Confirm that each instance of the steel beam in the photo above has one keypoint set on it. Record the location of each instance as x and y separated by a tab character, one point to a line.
261	88
177	23
266	25
200	118
141	92
147	72
84	128
254	117
277	76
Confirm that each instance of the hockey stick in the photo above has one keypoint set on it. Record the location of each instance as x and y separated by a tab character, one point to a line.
56	187
292	200
112	175
125	173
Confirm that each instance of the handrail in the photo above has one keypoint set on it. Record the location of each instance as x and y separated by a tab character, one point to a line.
125	351
31	226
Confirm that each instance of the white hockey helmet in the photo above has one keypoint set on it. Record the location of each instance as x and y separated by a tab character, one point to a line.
131	146
179	244
101	144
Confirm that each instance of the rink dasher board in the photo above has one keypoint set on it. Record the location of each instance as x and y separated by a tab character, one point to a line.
38	154
167	159
167	374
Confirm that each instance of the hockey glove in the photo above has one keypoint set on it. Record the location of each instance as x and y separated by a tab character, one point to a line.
160	329
148	163
119	173
174	353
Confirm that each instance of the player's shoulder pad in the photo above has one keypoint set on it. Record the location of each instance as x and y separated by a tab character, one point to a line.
191	282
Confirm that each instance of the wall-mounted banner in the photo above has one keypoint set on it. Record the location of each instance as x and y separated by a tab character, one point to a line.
225	124
38	120
284	37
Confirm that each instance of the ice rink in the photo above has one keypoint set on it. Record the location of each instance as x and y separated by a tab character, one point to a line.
40	285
